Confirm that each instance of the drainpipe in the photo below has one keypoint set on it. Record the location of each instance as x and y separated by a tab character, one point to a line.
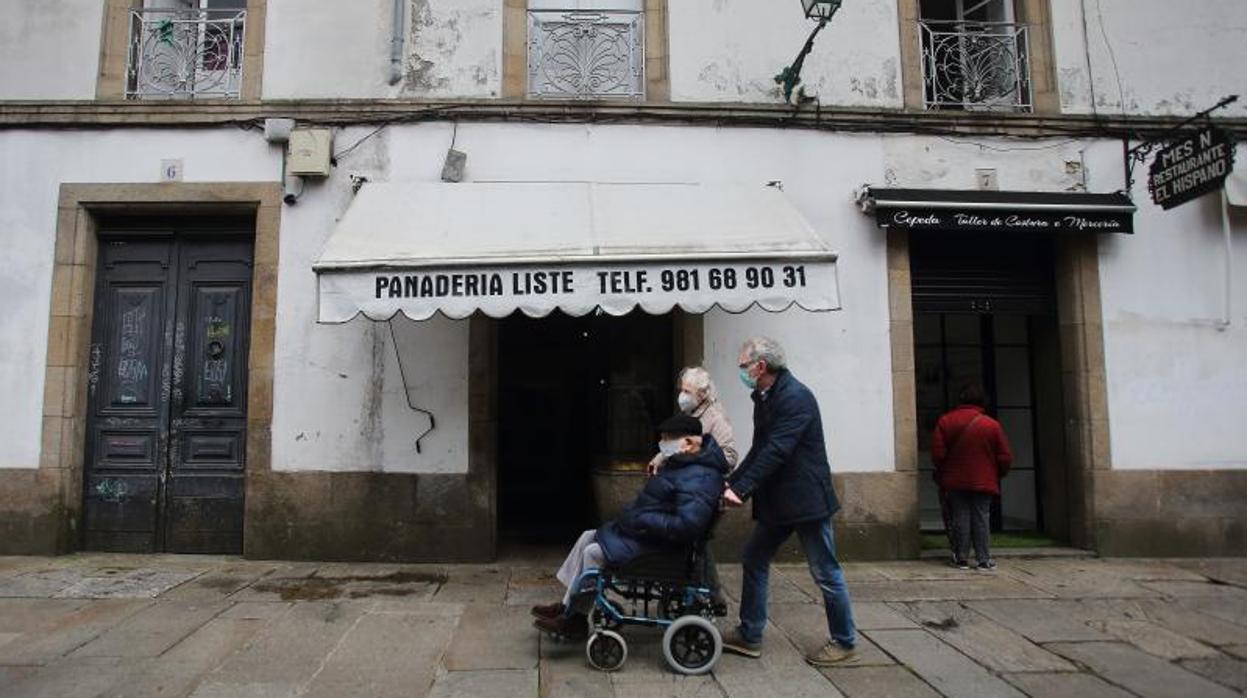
396	41
1229	260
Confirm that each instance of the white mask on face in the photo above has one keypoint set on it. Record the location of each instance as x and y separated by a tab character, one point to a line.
669	447
687	402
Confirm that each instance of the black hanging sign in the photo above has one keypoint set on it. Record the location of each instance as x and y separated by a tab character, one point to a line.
1191	167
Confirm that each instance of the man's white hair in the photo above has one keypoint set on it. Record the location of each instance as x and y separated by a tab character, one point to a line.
765	349
699	378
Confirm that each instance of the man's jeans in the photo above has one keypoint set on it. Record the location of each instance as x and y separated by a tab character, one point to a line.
820	552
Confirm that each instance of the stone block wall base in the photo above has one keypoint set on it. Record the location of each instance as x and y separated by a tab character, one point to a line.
878	520
367	517
32	520
1171	513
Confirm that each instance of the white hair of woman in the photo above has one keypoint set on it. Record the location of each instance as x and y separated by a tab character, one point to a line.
699	399
698	379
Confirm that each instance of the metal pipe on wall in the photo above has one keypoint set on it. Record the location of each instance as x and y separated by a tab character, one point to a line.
1229	260
396	41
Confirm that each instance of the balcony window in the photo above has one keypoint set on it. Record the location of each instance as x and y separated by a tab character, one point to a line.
975	56
186	49
586	49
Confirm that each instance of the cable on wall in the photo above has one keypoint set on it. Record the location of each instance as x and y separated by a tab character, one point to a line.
406	390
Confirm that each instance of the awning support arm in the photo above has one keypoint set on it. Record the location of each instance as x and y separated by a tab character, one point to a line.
407	391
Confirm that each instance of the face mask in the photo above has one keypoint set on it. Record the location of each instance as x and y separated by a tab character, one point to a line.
669	448
749	381
687	402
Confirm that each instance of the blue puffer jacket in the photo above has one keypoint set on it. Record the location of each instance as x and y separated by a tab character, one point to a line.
674	508
786	472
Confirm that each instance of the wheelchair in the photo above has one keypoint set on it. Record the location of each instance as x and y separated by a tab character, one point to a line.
674	591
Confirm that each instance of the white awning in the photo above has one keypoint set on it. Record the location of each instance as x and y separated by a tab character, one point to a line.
422	248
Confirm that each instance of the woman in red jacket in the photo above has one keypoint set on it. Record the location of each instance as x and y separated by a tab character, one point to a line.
971	454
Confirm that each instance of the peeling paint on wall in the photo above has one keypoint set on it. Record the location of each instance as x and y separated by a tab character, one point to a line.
731	54
1148	56
950	164
446	55
452	49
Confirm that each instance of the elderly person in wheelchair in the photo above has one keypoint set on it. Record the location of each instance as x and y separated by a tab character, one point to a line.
669	521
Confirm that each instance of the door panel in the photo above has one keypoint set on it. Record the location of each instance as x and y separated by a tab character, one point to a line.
204	511
127	395
166	395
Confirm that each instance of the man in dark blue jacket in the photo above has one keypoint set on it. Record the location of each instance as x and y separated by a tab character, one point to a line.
674	509
788	477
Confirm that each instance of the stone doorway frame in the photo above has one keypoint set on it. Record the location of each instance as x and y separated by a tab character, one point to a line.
1083	379
58	479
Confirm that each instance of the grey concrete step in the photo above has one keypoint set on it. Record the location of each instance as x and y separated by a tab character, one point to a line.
1020	553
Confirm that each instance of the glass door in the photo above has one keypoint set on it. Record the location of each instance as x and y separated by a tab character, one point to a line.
995	352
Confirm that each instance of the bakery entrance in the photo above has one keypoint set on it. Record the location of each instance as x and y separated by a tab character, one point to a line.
985	313
578	398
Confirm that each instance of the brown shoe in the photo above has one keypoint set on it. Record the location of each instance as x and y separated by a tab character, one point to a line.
737	644
550	610
831	655
568	627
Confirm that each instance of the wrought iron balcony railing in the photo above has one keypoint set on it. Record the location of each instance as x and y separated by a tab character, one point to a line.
975	66
184	54
582	54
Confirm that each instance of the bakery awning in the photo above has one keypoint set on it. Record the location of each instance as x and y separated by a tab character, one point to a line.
423	248
999	211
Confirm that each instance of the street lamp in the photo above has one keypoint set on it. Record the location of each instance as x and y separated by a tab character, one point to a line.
823	11
820	9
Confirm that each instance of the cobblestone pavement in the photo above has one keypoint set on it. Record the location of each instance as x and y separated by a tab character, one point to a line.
112	625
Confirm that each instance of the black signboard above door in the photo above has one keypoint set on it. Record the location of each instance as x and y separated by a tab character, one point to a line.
1000	211
1191	167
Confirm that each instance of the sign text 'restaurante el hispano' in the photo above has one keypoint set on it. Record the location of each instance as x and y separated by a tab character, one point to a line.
1191	167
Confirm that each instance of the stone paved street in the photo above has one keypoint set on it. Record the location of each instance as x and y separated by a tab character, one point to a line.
112	625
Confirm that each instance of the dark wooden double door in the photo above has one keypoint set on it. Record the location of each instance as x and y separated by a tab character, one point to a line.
167	393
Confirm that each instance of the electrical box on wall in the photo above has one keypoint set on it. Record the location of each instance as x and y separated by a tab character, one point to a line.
309	152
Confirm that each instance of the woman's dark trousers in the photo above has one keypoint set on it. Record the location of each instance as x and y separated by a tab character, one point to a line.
971	523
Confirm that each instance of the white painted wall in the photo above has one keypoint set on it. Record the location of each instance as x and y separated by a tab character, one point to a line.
339	399
1177	381
843	356
338	396
949	163
330	48
1177	384
730	51
31	172
1149	56
50	50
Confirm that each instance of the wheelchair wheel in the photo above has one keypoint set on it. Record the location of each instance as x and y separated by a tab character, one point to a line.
606	650
692	645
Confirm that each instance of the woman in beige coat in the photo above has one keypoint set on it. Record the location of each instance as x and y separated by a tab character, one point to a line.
698	398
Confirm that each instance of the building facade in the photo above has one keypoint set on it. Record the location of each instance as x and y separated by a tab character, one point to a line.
189	185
